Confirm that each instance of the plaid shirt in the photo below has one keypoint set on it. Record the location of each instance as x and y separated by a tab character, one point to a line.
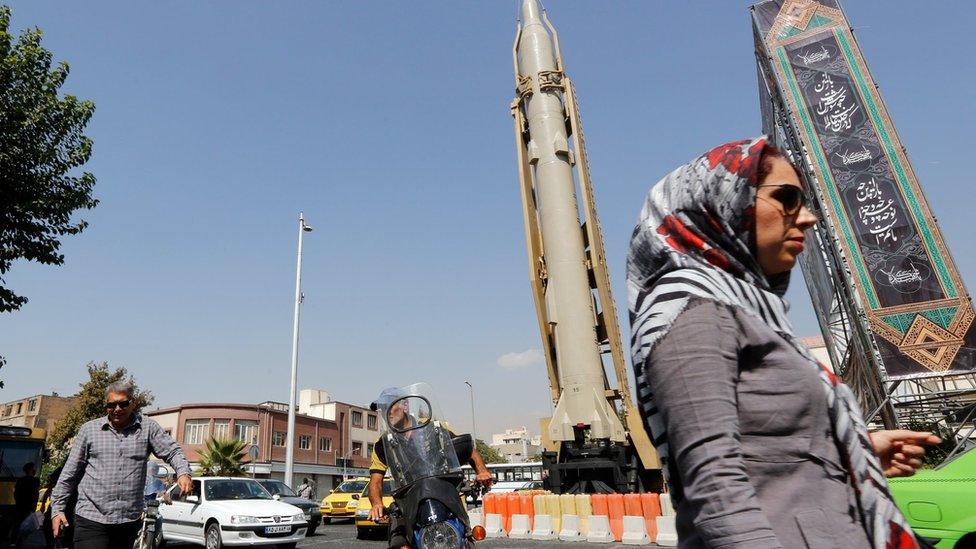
108	469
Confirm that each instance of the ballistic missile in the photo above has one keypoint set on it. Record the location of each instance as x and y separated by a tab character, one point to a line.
566	257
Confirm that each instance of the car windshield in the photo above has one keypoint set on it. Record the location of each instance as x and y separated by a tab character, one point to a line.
278	488
351	487
218	490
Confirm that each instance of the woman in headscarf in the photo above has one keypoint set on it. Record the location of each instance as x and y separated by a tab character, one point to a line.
762	445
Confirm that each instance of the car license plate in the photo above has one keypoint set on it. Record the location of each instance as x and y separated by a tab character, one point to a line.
276	529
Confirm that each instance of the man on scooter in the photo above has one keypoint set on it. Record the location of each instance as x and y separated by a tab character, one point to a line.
399	416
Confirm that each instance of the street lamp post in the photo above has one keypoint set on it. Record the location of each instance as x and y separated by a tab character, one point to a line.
290	437
474	435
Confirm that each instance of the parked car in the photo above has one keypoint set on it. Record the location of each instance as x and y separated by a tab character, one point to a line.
368	528
229	511
939	503
341	502
284	493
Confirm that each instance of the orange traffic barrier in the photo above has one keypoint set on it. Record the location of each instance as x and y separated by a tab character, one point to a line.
501	506
632	505
599	505
651	505
527	508
488	501
514	508
615	504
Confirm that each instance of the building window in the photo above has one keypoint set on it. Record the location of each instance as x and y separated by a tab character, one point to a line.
325	444
357	418
371	422
8	410
278	439
369	449
304	442
246	431
195	431
20	406
357	448
32	405
221	429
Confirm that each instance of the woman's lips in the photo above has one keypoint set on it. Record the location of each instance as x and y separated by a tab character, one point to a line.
797	243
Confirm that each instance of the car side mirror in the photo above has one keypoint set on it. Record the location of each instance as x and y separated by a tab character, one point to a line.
276	497
355	496
193	499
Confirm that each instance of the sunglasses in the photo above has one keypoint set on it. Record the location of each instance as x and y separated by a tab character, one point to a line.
120	404
792	198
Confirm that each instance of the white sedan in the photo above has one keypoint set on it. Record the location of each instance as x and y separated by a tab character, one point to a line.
229	511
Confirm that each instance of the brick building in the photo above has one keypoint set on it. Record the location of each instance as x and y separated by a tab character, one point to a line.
324	436
41	411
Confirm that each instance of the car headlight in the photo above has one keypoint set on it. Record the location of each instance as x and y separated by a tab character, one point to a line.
326	504
242	519
362	513
300	517
440	535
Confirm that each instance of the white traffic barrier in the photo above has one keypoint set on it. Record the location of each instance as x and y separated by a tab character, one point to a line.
599	529
476	518
543	528
667	533
493	526
570	530
520	527
635	531
666	508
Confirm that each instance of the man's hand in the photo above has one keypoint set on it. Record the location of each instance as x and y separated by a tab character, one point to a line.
376	512
901	451
484	478
186	485
58	524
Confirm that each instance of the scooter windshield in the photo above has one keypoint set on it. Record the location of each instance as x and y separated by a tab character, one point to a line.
417	444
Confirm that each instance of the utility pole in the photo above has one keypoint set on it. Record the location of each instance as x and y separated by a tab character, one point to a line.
474	435
290	437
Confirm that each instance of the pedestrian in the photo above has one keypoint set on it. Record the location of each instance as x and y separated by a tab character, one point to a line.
305	490
26	490
763	447
106	470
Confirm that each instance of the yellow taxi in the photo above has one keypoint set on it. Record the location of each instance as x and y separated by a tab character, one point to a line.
341	502
367	528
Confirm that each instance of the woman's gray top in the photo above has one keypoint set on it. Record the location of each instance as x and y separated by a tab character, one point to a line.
753	462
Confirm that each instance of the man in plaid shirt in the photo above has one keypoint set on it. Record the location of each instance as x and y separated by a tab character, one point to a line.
107	467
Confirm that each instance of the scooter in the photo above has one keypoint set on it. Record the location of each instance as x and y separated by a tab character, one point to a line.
424	462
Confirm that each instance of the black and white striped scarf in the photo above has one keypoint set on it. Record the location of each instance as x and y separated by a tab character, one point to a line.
693	240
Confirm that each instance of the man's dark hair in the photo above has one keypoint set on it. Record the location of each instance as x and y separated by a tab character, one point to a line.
29	466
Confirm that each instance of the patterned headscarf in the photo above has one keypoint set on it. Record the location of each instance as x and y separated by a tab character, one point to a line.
695	238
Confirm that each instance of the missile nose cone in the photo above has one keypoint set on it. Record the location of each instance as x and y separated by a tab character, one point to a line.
530	12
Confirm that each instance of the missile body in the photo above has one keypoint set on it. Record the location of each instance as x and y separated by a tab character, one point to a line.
581	395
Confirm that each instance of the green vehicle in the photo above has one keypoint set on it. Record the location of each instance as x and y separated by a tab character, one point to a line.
940	503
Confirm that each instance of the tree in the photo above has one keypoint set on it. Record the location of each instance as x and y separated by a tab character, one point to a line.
223	458
489	454
41	141
90	404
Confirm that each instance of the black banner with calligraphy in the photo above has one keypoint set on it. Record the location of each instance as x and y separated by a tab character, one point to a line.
892	249
818	96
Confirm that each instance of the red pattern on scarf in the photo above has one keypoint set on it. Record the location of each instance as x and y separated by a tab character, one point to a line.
899	538
679	236
731	156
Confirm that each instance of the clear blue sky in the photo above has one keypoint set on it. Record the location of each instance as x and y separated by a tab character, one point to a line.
388	124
